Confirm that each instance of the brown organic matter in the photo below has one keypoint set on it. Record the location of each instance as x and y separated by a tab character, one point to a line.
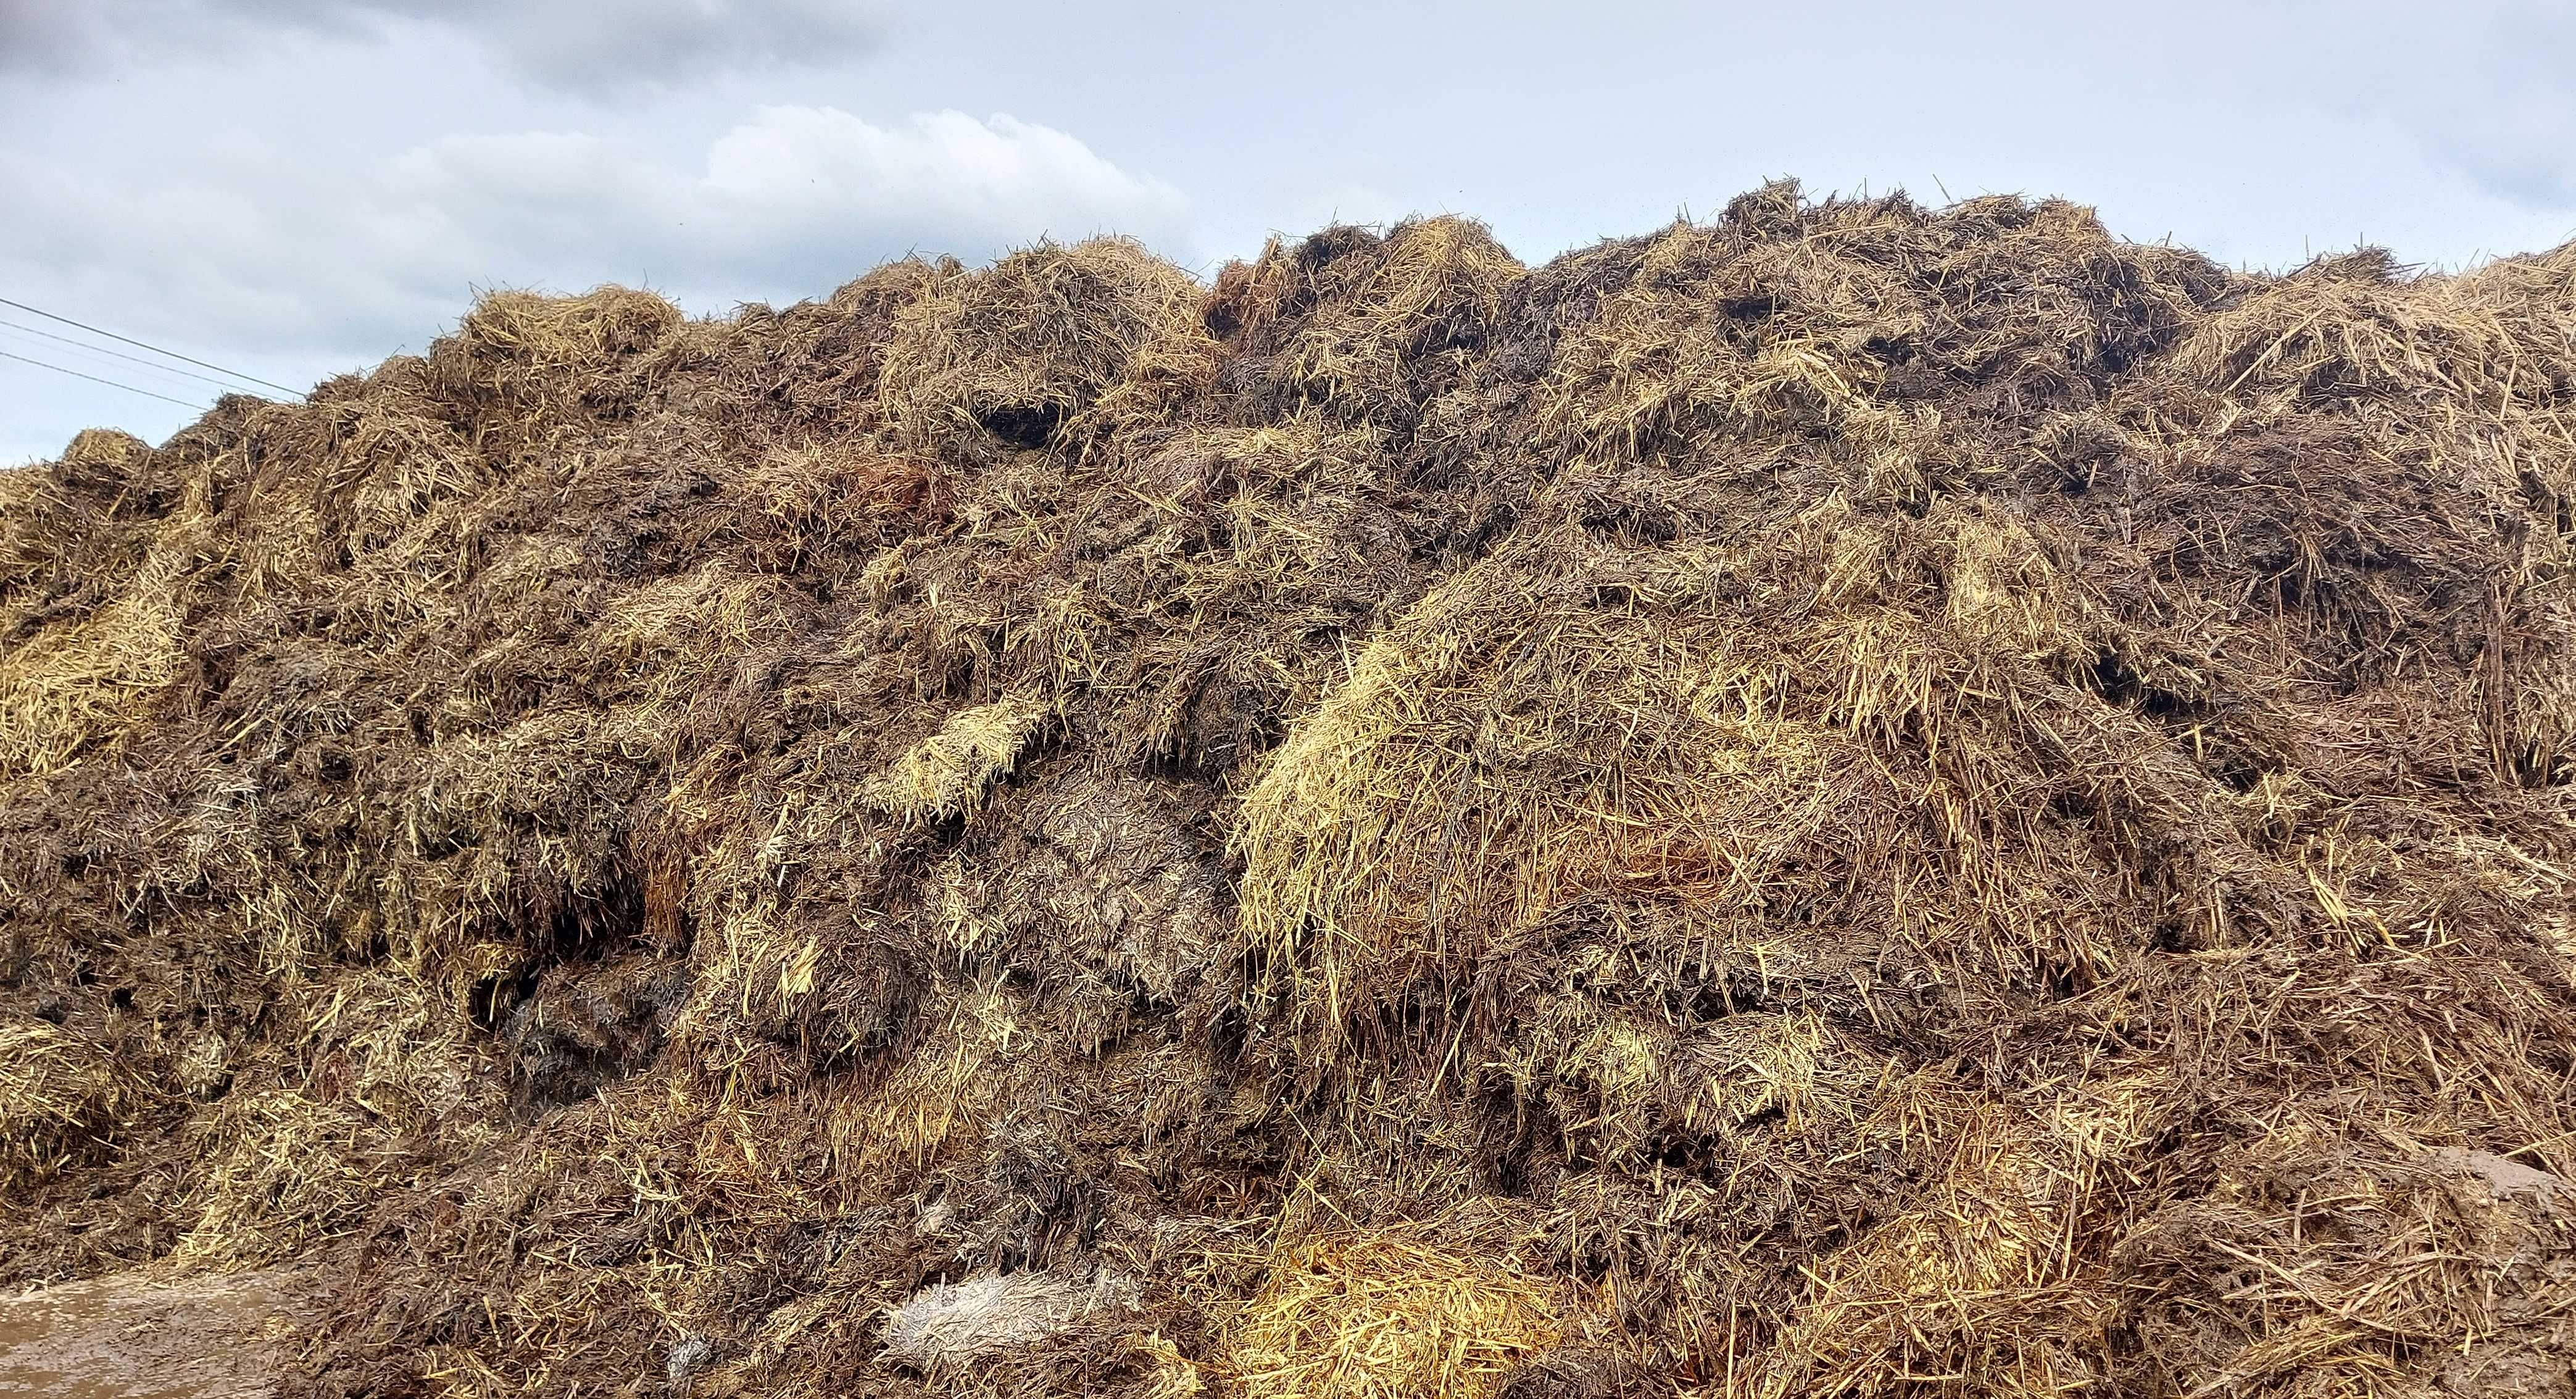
1853	800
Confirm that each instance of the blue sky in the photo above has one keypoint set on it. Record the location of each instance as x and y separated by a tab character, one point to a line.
298	187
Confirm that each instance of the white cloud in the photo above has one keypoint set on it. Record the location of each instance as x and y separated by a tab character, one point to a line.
791	186
253	248
594	46
2510	123
2488	92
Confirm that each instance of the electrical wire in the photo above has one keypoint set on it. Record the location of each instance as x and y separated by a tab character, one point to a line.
117	354
140	345
111	383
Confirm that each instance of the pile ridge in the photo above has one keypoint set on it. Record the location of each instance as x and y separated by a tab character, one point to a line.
1851	800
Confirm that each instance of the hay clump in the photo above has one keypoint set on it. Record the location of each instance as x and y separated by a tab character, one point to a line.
1377	1314
60	1097
945	774
1368	326
1006	358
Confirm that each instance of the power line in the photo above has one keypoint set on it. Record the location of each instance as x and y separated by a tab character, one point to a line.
112	335
111	383
114	354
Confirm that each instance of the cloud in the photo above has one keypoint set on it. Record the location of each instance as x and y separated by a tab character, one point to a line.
37	33
253	248
2489	92
2510	124
797	195
590	46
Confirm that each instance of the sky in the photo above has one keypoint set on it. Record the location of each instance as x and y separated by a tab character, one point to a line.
291	189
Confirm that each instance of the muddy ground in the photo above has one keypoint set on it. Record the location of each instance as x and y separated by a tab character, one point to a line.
135	1335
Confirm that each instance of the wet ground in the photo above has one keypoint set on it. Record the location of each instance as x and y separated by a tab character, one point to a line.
137	1336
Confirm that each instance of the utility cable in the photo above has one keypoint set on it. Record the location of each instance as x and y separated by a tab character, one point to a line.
140	345
118	354
111	383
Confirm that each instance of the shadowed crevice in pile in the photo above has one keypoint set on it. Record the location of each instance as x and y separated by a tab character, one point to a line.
1853	800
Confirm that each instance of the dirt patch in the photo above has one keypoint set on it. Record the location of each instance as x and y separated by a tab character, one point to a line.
133	1336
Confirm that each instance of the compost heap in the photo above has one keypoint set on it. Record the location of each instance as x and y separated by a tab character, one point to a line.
1850	800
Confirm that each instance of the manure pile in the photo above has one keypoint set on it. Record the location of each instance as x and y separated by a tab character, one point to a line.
1852	800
